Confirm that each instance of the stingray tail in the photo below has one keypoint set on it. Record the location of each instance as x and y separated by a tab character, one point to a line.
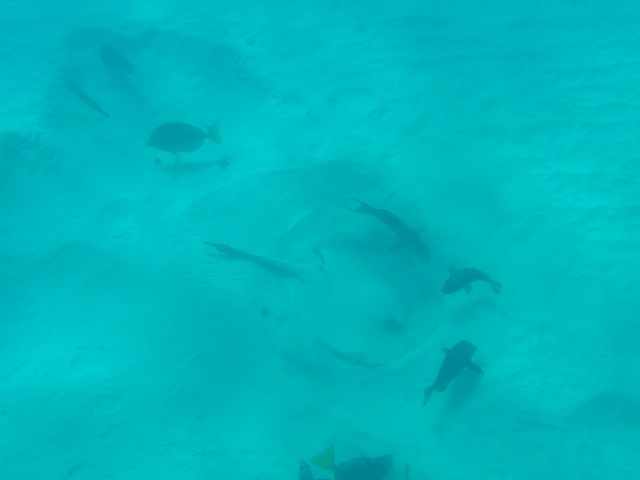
213	133
427	394
497	287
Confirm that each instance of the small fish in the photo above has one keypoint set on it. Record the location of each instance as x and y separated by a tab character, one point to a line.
115	61
361	468
275	266
180	137
83	97
407	236
455	361
459	279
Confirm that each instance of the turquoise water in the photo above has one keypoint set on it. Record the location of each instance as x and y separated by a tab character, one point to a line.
504	136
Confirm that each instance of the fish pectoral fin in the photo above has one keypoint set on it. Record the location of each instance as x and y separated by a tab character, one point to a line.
213	133
467	288
474	368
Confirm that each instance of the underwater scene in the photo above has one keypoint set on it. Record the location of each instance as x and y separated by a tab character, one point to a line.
323	240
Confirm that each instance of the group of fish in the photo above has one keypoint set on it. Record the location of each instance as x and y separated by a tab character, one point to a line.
456	358
171	137
179	137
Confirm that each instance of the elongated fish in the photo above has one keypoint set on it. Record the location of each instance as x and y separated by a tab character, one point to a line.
115	61
455	361
275	266
459	279
83	97
358	359
407	236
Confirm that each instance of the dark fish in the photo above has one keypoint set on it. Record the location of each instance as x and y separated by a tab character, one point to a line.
361	468
115	61
304	473
277	267
407	236
178	137
83	97
459	279
455	361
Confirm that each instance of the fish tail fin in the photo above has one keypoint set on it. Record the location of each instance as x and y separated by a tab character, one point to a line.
326	459
497	287
356	205
213	133
427	394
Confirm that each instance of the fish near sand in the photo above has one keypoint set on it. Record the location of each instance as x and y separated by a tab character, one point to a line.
361	468
358	359
406	236
80	94
115	61
274	266
462	278
455	361
180	137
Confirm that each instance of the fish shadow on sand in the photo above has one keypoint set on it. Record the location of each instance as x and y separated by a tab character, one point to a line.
462	390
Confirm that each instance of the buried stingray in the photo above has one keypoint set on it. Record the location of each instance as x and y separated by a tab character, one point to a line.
277	267
180	137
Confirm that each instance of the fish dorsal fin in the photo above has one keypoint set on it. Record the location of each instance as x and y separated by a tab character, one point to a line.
453	270
446	351
326	459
